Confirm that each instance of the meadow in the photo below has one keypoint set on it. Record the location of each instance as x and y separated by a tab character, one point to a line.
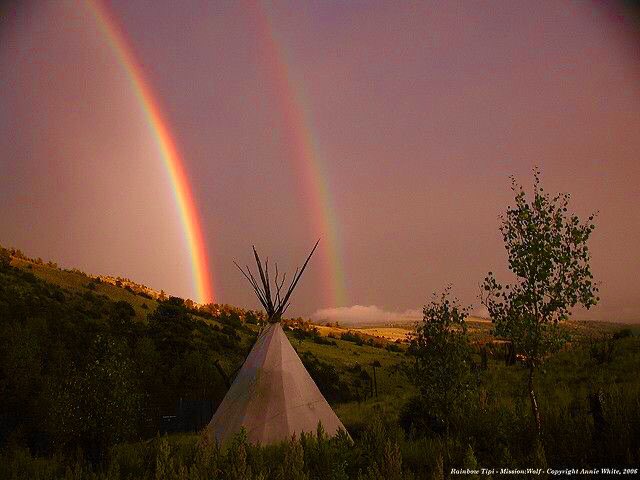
88	369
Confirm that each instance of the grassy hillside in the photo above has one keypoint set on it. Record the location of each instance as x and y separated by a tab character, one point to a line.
345	356
88	368
78	282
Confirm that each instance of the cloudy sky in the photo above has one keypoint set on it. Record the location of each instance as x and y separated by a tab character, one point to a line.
388	129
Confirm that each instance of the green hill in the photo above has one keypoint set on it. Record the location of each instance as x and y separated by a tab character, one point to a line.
72	310
91	368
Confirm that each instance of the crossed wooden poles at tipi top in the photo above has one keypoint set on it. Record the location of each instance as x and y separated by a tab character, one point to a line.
274	306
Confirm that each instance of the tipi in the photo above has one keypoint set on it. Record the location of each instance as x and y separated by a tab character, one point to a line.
273	396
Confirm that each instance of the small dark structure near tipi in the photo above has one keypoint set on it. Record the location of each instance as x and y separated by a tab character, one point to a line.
191	416
273	395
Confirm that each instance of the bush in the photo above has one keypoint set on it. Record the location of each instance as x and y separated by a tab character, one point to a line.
417	420
624	333
5	257
320	340
602	352
352	337
440	354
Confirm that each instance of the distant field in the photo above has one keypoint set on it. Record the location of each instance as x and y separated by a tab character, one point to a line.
386	333
389	333
392	333
479	329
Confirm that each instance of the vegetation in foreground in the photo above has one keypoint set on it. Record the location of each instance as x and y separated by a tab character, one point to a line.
80	378
87	371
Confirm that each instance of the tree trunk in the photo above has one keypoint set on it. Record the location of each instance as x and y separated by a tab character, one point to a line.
534	402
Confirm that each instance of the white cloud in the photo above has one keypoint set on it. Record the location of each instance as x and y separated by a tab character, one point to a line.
480	311
359	314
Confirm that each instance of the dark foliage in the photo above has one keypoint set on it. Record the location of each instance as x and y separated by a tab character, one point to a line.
327	378
76	370
82	383
441	365
304	332
352	337
394	347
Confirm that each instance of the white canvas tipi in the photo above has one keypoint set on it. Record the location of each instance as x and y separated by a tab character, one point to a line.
273	396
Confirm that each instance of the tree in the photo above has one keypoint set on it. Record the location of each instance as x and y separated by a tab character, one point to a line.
300	335
100	403
5	257
548	253
442	363
121	317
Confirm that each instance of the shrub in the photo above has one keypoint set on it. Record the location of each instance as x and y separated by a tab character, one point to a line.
352	337
623	333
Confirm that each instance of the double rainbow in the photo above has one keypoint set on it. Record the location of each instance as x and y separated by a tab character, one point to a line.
303	143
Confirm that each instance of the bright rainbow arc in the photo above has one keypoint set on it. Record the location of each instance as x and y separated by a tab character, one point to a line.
306	149
173	162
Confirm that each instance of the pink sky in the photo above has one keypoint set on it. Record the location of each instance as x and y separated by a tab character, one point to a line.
421	112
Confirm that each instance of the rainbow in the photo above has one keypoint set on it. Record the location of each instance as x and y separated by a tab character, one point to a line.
305	149
202	278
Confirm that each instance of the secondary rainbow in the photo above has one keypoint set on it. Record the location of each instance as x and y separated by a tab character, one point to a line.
305	148
190	219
